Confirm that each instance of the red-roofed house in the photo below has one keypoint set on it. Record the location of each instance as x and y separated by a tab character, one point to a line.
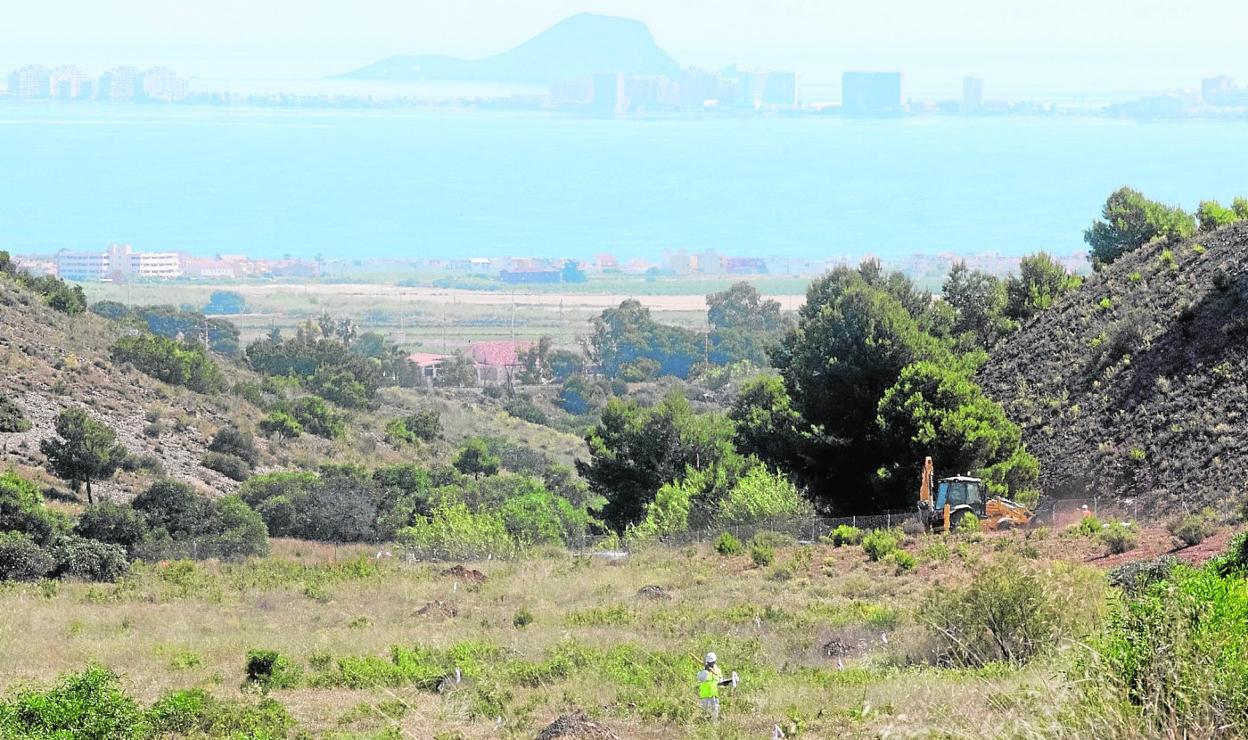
428	362
497	361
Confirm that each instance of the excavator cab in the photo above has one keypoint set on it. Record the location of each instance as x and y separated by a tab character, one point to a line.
954	498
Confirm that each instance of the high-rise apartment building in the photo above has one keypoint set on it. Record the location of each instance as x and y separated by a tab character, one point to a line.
121	83
972	94
30	81
162	83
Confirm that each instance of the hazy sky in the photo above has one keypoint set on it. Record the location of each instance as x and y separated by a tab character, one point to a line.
1020	46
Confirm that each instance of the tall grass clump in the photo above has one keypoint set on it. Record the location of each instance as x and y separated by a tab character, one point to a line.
1173	659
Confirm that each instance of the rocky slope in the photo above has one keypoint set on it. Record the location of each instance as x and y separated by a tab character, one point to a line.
49	361
1134	385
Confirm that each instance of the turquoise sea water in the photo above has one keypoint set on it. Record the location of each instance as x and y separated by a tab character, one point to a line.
426	183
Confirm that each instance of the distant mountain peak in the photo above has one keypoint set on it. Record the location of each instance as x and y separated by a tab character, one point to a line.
577	46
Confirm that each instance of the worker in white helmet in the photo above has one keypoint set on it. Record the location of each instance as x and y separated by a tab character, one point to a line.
710	678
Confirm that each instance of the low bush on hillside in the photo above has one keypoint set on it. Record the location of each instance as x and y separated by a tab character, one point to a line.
231	467
231	440
315	416
762	553
422	426
56	293
1119	537
177	363
522	407
12	418
281	424
878	543
1193	529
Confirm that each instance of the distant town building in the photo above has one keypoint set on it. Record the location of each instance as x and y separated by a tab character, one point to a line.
430	363
119	262
162	83
82	267
680	263
745	265
70	83
709	262
530	277
121	83
698	88
608	94
871	93
1223	92
780	89
972	94
31	81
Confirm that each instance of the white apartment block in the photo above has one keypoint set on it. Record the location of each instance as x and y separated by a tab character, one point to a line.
119	262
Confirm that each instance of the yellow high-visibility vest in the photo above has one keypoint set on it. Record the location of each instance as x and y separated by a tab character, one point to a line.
708	682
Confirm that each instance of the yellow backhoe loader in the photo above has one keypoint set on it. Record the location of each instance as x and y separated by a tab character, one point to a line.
944	509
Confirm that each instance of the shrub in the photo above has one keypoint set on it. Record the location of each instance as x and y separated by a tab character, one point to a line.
1119	537
1192	529
879	543
968	523
762	553
1089	526
1137	576
282	424
196	713
903	560
475	458
761	494
22	559
728	544
233	441
114	524
89	560
12	418
454	531
522	407
269	669
177	363
316	417
1005	614
845	534
230	466
522	618
90	704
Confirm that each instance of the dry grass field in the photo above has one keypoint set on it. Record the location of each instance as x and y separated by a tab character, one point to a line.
827	642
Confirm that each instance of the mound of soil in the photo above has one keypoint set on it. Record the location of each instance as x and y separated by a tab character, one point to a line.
654	593
1134	385
469	575
438	609
577	725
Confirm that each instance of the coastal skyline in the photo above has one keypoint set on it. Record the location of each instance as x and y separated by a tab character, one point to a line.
1062	48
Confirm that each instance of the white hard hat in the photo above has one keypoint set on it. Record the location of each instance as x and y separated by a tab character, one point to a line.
710	657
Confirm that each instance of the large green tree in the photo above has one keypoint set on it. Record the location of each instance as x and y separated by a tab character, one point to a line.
978	300
1129	221
84	450
635	450
742	323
